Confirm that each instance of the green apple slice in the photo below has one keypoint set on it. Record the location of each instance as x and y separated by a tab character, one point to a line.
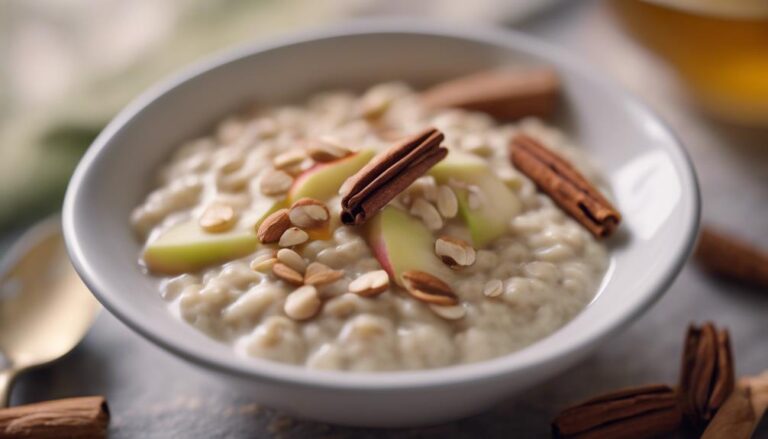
322	181
186	247
402	243
499	203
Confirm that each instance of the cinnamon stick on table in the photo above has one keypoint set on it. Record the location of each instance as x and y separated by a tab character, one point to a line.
388	174
565	185
729	257
638	412
76	418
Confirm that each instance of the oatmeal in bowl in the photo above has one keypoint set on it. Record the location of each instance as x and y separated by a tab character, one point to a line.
393	229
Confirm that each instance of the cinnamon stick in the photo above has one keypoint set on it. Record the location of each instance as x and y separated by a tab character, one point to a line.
729	257
77	418
565	185
638	412
388	174
505	94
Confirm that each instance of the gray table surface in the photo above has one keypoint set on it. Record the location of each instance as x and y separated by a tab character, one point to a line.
153	394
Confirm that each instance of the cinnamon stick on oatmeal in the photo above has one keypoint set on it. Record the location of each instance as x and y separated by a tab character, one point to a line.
85	417
388	174
565	185
505	94
729	257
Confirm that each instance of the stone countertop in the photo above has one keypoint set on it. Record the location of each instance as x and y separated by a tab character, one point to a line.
153	394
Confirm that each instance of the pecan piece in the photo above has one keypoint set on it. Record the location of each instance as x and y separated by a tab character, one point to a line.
707	373
565	185
504	94
639	412
429	289
388	174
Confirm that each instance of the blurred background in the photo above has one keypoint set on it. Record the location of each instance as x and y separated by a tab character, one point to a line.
67	67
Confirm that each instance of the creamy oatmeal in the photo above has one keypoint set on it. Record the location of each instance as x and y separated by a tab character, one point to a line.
327	295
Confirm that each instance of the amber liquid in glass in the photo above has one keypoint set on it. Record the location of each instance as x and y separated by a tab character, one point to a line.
720	54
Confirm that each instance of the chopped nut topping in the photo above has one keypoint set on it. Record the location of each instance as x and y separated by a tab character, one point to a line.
447	203
370	284
321	274
263	263
454	312
428	213
493	288
303	303
293	236
287	274
291	259
275	182
429	289
289	159
455	252
272	228
326	150
309	213
218	218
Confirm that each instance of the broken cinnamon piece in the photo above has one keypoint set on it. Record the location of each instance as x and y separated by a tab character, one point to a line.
505	94
707	374
729	257
565	185
388	174
639	412
85	417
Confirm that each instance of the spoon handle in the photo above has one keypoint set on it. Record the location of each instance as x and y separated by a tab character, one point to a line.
6	381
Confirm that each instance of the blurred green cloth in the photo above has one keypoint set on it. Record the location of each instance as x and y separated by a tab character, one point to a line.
40	149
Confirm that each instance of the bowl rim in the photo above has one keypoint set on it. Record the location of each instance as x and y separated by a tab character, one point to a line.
285	374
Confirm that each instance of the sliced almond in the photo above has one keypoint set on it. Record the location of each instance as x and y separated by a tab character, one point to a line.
303	303
292	259
447	203
493	288
429	289
263	263
293	236
309	213
455	252
287	274
326	150
370	284
289	159
428	213
375	103
217	218
275	182
321	274
454	312
272	228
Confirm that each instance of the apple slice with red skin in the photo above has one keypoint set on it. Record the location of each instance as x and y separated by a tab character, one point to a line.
402	243
323	180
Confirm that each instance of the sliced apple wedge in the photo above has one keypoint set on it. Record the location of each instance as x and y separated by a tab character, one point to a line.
498	204
402	242
187	248
322	181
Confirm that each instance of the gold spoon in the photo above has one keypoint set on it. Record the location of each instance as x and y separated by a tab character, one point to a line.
45	310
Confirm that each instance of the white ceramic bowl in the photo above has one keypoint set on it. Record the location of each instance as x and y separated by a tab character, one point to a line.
652	179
